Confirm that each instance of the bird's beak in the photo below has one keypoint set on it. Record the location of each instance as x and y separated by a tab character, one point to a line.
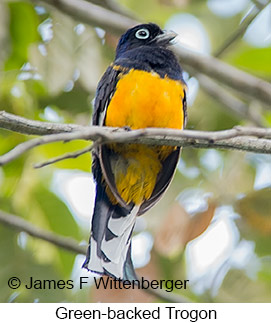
165	38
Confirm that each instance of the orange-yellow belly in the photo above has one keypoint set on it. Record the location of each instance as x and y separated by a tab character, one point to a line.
143	100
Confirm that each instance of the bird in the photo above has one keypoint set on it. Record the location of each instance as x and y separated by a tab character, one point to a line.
143	88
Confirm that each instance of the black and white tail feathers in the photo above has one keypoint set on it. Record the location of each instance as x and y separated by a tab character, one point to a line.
109	250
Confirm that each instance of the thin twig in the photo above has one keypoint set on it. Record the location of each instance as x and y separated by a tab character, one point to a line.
63	157
240	31
69	244
260	4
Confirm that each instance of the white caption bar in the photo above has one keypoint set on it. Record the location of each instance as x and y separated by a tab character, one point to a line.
98	312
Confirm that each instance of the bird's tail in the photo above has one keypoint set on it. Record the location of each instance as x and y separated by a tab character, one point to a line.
109	251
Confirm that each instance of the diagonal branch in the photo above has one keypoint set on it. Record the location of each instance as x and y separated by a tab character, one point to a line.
232	102
93	15
236	79
20	224
240	31
69	244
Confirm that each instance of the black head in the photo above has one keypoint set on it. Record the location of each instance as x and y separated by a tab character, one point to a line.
144	35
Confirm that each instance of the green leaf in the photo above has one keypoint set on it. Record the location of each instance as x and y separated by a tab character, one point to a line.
76	101
23	31
57	66
267	117
3	32
265	272
20	262
59	220
13	170
59	217
254	60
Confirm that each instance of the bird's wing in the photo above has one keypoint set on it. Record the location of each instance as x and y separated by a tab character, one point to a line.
105	90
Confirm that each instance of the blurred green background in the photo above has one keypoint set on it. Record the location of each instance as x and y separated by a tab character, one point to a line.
50	63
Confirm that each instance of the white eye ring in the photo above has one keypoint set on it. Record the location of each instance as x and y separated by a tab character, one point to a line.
142	33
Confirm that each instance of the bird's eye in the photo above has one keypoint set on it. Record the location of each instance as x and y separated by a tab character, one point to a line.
142	33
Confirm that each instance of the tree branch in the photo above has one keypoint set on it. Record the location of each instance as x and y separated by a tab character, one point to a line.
239	138
115	6
69	244
261	3
20	224
32	127
96	16
236	79
93	15
240	31
234	104
66	156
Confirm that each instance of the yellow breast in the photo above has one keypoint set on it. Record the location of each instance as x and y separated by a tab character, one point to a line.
142	100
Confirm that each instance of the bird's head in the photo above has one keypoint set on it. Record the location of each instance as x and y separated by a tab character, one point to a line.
144	35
